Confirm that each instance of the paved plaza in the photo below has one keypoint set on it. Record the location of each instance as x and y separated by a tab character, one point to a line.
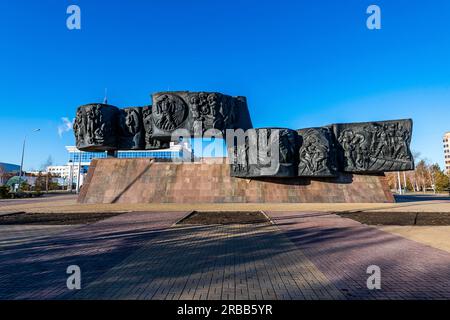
68	203
144	255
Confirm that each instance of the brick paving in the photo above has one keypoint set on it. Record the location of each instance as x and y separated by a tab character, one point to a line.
47	198
343	249
411	203
214	262
11	235
141	255
37	269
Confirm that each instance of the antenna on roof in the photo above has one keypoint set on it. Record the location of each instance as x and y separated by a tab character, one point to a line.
105	99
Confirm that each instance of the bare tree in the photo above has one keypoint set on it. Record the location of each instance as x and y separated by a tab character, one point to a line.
2	175
425	176
47	163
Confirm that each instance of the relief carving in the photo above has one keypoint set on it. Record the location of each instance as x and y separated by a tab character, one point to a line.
205	110
95	127
274	152
212	111
370	147
169	113
317	153
149	142
130	129
375	146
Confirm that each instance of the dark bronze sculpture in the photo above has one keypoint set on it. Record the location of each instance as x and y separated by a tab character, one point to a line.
265	152
323	152
95	127
151	127
131	129
197	112
317	153
372	147
149	141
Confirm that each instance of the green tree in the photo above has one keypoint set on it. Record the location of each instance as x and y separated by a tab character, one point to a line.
39	185
440	179
422	175
4	192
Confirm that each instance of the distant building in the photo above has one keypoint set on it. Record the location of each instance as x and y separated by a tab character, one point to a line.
29	179
59	171
8	170
83	159
59	174
446	141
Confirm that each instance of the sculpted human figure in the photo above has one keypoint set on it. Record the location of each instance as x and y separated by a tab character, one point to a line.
149	142
391	139
99	137
203	102
382	144
195	102
241	160
373	147
99	125
372	132
147	119
401	143
132	121
165	109
369	147
90	113
306	153
79	125
346	140
320	153
216	115
363	151
131	134
314	153
196	114
288	145
353	145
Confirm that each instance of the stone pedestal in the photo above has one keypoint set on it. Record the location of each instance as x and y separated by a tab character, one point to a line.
144	181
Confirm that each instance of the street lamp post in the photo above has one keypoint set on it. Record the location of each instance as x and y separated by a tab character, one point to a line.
69	187
405	181
399	183
23	153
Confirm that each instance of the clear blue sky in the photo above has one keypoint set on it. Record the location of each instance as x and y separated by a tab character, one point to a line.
300	63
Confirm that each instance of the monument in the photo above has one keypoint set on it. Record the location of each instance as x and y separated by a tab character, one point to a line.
334	163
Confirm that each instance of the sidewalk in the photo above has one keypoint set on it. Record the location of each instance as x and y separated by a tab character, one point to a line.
69	206
142	255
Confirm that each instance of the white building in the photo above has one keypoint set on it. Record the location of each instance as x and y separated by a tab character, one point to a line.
80	159
64	172
446	142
